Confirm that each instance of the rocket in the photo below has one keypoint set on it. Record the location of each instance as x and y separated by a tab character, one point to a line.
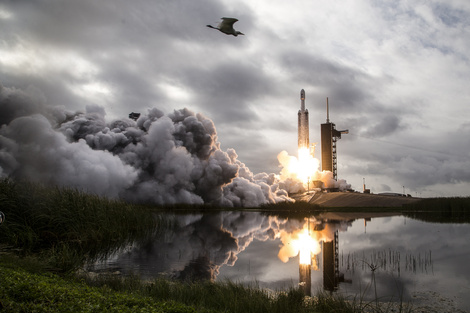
303	122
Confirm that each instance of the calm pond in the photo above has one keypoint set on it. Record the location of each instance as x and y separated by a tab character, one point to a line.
387	256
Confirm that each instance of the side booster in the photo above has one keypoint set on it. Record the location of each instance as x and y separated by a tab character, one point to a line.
303	123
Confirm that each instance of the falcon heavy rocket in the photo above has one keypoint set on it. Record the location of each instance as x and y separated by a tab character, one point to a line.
303	123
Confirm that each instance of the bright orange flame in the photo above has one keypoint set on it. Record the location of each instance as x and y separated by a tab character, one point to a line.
306	245
300	243
303	169
307	165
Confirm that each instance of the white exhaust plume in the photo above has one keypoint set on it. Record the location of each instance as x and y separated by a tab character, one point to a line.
293	169
159	158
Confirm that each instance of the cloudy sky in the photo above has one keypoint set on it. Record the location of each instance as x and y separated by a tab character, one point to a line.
396	74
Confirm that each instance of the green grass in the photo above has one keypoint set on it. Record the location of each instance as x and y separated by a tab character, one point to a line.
23	290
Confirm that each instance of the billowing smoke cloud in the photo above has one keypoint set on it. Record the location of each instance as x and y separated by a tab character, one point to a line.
159	158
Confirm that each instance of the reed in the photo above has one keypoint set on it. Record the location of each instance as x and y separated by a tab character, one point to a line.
68	225
389	261
226	296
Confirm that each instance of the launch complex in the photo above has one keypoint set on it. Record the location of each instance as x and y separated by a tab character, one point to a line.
329	137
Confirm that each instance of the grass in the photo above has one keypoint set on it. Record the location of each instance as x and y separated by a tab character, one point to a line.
231	297
224	297
23	290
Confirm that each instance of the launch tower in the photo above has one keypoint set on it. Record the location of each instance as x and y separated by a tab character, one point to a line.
303	123
329	136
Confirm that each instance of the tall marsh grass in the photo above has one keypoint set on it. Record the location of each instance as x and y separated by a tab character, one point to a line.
226	296
232	297
66	224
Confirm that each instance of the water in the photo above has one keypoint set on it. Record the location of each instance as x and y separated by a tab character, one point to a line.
387	256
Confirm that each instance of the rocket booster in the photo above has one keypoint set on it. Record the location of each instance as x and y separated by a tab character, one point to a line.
303	130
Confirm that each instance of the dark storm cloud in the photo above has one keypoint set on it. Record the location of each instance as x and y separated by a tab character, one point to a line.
91	24
416	163
229	90
419	175
347	86
133	91
413	168
385	127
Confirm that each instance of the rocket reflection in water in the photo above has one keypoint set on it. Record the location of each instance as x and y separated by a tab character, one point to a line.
315	237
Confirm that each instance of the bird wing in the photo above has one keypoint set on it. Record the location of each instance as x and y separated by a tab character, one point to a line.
227	22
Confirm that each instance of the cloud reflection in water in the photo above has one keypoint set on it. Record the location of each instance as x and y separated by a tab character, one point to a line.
249	246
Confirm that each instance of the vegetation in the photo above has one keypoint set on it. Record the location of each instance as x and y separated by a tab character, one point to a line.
66	225
440	210
221	297
25	289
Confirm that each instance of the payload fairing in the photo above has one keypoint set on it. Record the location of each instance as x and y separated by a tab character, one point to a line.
303	123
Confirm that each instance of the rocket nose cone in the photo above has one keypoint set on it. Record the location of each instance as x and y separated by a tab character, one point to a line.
302	94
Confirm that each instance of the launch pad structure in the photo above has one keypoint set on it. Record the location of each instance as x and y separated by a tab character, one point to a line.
329	137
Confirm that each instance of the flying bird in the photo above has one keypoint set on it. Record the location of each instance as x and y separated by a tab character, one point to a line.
226	26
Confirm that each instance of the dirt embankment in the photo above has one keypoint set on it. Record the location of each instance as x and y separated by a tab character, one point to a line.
353	199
